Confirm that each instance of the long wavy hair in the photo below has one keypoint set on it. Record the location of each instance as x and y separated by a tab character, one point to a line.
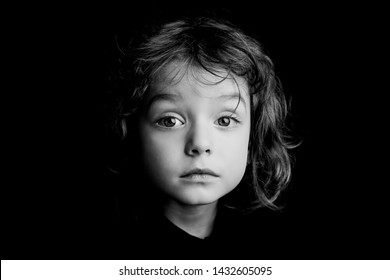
213	44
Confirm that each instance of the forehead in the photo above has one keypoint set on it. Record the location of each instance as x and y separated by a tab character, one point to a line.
182	77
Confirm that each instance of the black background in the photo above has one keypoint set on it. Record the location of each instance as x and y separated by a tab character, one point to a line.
56	190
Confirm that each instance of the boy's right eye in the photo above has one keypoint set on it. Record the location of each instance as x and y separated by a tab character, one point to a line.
169	122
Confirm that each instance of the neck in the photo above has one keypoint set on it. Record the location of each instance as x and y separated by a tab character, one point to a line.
196	220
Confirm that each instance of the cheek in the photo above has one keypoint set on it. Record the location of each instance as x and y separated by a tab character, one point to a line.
158	151
237	157
234	153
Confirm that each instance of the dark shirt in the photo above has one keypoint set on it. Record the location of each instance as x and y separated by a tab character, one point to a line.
235	236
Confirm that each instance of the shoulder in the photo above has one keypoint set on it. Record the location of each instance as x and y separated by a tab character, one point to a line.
260	234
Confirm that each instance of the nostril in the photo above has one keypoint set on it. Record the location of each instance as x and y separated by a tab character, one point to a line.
198	151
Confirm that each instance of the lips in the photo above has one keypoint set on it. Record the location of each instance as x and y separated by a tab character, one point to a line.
199	172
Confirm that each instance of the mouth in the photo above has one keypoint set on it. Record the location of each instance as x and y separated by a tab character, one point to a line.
199	173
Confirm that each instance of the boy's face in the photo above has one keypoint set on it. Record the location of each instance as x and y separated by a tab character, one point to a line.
195	133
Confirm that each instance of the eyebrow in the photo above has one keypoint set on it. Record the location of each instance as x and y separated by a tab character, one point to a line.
236	95
163	97
174	98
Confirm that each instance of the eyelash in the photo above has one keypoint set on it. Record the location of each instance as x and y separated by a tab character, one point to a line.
165	118
230	117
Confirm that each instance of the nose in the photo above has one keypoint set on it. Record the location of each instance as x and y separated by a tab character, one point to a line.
199	141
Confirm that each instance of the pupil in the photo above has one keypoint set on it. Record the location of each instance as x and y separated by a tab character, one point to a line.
170	122
224	121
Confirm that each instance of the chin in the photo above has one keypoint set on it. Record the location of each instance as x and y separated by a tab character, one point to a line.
192	202
194	199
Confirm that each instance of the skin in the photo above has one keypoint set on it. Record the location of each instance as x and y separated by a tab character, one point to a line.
191	120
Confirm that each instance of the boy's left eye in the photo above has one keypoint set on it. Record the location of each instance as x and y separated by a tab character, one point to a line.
227	121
